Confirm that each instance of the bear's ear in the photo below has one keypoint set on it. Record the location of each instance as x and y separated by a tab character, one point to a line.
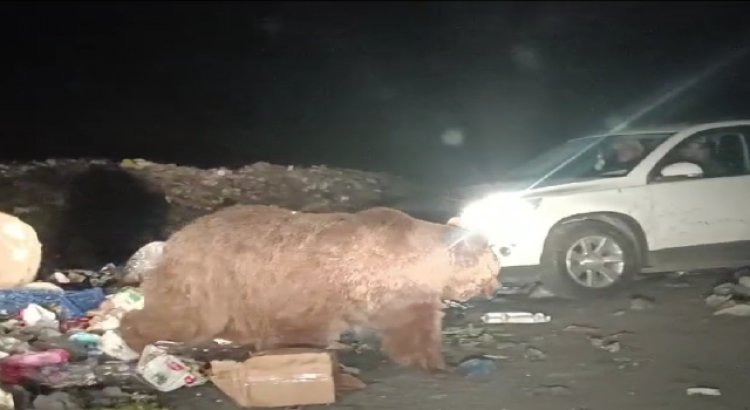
465	247
454	235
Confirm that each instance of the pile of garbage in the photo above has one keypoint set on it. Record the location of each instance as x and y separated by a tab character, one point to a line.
43	193
60	346
733	297
56	337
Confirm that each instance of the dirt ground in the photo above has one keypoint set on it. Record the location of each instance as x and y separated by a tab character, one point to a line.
675	344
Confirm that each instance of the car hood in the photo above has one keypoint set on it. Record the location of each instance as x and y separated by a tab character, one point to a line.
564	188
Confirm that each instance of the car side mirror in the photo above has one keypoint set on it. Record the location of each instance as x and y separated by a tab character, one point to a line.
682	169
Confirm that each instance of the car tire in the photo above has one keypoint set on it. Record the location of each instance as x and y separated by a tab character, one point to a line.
577	264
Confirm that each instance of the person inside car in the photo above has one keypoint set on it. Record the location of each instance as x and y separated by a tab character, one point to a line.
627	154
699	152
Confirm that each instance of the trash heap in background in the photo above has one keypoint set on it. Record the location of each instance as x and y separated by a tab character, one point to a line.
42	193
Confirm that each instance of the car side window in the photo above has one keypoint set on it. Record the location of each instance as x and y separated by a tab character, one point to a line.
719	153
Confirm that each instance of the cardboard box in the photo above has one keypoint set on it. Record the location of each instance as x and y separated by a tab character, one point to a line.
278	378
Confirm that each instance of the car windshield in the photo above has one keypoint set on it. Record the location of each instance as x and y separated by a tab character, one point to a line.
588	158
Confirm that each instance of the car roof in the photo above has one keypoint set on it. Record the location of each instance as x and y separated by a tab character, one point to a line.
653	129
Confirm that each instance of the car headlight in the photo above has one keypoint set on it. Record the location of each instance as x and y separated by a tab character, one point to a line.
500	217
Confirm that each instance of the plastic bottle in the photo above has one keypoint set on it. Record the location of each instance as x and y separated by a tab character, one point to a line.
515	317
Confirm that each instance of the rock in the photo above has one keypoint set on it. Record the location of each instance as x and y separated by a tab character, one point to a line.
741	273
612	346
534	354
12	345
744	281
45	333
113	392
540	292
608	344
740	290
10	325
742	310
640	302
486	339
715	301
724	289
477	368
468	331
55	401
44	286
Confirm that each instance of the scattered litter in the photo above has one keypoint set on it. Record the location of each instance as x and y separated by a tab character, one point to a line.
703	391
78	279
112	345
13	369
468	331
496	357
166	372
143	261
625	363
534	354
581	329
477	368
742	310
555	390
273	379
349	370
128	299
640	302
515	317
35	315
72	304
456	305
6	400
86	340
507	290
506	345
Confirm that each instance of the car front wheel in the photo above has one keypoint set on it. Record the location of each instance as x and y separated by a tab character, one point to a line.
587	259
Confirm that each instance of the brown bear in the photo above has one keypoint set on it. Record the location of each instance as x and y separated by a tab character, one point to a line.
271	277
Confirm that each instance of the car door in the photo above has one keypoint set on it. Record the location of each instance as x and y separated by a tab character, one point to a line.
708	210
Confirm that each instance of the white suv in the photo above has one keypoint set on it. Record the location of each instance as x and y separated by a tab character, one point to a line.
589	214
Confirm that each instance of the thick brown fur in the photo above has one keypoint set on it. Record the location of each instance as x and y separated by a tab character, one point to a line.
269	277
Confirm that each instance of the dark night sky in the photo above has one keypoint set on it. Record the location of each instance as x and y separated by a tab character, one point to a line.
363	85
